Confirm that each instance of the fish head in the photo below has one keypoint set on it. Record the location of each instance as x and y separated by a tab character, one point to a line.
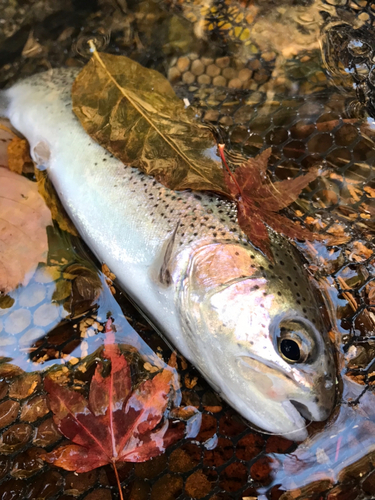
258	333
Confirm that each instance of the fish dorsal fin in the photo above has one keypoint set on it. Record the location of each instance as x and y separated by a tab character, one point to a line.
165	275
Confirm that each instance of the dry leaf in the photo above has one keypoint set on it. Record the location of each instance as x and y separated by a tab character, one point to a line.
23	237
58	212
134	113
259	200
6	136
117	423
19	155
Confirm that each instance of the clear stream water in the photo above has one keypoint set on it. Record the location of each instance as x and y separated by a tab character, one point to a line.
296	76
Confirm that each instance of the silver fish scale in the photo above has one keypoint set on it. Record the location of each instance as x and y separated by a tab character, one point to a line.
206	217
200	217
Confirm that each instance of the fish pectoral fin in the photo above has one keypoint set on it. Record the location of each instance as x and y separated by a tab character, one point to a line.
165	276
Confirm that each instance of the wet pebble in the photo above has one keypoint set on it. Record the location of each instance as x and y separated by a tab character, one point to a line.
233	477
199	485
47	434
27	463
24	386
185	458
167	487
8	412
17	321
47	486
6	341
15	438
46	314
32	295
33	409
31	336
77	484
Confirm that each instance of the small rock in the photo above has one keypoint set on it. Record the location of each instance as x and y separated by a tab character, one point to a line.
8	412
254	64
188	77
229	73
17	321
34	408
227	121
46	314
213	70
183	64
207	60
32	295
268	56
23	386
204	79
223	62
235	83
245	74
211	115
31	336
197	67
174	74
219	81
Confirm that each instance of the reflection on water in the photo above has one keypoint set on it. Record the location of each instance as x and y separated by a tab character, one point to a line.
256	70
336	453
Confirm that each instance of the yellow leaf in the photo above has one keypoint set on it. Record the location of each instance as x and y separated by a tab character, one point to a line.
62	291
134	113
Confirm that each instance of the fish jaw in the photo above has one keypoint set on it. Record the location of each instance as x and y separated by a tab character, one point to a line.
232	317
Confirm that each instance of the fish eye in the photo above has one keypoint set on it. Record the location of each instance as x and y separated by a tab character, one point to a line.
294	344
289	349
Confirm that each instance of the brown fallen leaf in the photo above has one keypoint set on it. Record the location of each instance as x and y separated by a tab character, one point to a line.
58	212
23	237
134	113
19	156
6	136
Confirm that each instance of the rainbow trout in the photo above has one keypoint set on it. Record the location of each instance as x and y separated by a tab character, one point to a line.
253	328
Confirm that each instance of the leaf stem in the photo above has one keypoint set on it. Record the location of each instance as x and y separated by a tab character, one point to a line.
117	479
221	152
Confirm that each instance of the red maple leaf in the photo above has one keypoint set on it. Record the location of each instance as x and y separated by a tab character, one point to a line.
258	201
114	424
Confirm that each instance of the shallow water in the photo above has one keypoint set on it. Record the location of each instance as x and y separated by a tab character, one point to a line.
294	77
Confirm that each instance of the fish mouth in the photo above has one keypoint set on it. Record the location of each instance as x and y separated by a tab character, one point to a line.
299	433
302	409
299	408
